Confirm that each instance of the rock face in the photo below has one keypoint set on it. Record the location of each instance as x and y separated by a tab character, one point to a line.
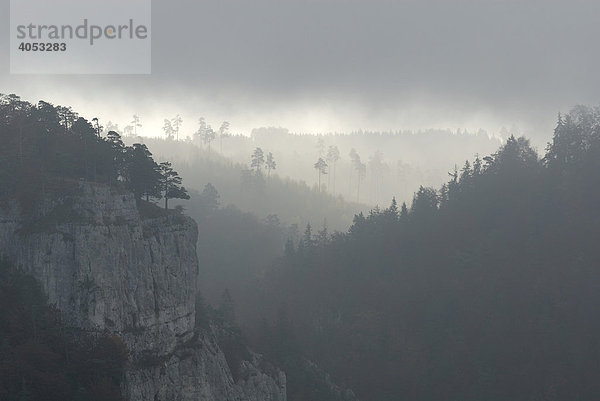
108	269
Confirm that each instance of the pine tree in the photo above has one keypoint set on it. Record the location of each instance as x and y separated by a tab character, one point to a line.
171	184
333	155
403	211
136	124
208	136
257	160
168	128
321	167
223	132
142	173
270	163
199	134
210	197
307	238
176	123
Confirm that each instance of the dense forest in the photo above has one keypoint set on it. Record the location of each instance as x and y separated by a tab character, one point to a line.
486	288
47	148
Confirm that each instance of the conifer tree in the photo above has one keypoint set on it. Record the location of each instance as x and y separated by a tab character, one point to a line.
171	184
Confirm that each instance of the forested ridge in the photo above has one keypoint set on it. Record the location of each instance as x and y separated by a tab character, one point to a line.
486	288
46	149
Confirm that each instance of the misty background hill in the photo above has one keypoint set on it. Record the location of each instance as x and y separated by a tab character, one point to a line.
395	163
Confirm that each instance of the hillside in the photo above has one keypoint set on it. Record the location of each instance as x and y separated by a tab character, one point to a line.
486	288
292	201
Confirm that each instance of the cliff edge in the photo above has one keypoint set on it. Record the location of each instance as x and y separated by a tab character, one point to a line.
109	269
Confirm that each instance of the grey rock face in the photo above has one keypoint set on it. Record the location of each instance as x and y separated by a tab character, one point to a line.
108	269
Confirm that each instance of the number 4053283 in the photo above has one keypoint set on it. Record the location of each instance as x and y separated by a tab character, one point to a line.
42	47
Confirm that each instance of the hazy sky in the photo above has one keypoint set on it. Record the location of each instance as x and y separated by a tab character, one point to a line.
347	65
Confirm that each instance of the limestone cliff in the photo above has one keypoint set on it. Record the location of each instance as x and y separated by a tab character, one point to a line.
108	269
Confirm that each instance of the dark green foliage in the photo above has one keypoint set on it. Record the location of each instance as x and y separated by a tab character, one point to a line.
143	173
43	359
149	210
485	289
170	184
233	250
305	380
209	198
46	149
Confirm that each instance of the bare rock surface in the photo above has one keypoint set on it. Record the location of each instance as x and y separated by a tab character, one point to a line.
110	270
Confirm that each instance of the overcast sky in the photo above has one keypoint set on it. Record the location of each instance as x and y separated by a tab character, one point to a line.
347	65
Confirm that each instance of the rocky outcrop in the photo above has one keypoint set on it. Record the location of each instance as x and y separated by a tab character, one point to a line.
108	269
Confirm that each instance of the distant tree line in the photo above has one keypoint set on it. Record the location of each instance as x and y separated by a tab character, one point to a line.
391	163
295	202
206	134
